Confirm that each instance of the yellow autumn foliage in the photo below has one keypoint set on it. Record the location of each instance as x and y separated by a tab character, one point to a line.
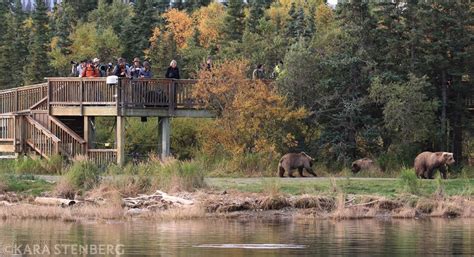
210	22
252	117
180	24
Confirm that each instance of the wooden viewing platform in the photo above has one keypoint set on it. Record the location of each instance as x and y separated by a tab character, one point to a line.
55	117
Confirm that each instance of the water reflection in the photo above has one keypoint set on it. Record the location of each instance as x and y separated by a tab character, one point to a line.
319	237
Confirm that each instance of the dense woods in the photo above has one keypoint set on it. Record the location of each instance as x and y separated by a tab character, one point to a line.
383	79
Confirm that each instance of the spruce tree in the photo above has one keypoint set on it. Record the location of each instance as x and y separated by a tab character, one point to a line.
5	45
234	20
291	26
38	64
310	22
20	41
137	34
256	12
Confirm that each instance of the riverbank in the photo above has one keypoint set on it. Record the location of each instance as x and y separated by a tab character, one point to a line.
109	205
125	197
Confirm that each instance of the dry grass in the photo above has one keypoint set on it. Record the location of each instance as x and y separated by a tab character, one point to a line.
3	187
64	189
84	212
405	213
185	213
426	206
274	202
311	201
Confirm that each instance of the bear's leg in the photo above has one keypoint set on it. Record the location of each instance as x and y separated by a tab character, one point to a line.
300	171
310	171
443	172
290	173
430	173
281	171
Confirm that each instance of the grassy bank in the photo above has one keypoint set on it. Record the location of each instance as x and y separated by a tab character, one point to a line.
360	186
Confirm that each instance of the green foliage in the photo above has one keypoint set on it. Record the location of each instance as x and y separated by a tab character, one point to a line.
37	67
256	12
409	182
163	49
27	165
87	42
186	136
408	112
234	20
82	174
24	184
135	36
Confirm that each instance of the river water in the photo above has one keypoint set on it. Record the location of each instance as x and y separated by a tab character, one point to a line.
233	238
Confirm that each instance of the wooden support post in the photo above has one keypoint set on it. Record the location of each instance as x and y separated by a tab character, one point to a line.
165	136
120	141
89	133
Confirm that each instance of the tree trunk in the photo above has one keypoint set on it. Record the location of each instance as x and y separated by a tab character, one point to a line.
444	102
458	131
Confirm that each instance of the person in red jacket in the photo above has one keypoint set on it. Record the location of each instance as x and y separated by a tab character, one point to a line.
91	70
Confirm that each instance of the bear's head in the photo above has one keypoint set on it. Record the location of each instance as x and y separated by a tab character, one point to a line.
311	160
448	158
355	167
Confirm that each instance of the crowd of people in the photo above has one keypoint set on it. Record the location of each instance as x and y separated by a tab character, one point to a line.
94	68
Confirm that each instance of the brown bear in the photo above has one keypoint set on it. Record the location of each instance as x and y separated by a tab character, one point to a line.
427	162
364	164
298	161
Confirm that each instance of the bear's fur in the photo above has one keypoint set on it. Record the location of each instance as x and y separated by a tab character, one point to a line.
427	162
298	161
364	164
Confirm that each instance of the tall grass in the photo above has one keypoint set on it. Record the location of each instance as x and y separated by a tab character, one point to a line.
178	176
82	174
408	181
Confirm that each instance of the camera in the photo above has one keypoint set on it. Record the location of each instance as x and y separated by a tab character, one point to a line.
74	63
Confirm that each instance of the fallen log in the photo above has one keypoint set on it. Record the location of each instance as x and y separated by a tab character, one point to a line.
173	199
54	201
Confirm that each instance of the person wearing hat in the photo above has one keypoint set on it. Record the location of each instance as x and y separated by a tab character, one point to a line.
136	68
91	70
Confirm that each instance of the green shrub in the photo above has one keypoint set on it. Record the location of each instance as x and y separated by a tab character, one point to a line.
54	165
83	174
27	165
7	166
409	182
246	165
178	176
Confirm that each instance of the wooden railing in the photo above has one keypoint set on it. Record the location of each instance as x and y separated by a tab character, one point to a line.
22	98
71	144
102	157
7	128
41	139
130	93
147	92
469	102
184	94
78	91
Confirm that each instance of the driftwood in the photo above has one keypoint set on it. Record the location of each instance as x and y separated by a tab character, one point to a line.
174	199
363	204
54	201
158	200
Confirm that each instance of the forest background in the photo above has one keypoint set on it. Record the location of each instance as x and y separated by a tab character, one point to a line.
381	79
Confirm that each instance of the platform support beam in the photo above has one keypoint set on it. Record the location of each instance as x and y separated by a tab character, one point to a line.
120	142
165	129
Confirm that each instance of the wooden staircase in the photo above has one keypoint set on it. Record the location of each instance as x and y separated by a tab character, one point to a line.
25	122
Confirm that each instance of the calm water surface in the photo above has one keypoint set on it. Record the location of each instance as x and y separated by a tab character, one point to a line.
231	238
